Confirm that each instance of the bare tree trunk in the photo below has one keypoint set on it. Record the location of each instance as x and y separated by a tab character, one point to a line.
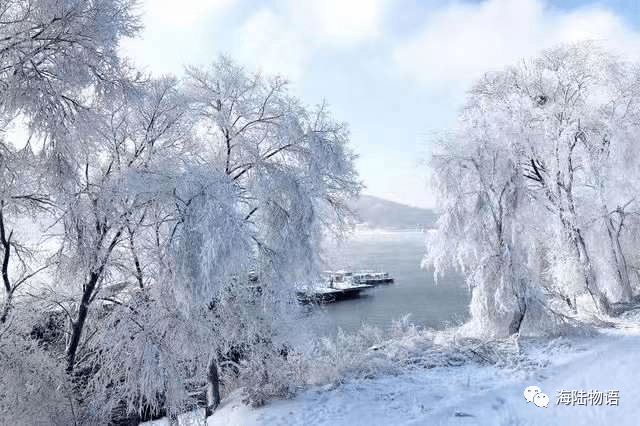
518	287
622	274
87	296
521	308
134	254
599	298
6	249
518	317
575	235
78	325
136	261
213	387
7	307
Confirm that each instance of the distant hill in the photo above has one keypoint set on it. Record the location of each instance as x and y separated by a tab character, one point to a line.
377	212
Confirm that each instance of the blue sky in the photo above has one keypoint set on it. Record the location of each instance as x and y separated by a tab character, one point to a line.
395	70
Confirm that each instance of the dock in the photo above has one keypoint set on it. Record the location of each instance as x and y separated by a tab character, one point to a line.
341	285
330	295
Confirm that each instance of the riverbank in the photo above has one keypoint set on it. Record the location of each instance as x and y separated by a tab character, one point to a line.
472	392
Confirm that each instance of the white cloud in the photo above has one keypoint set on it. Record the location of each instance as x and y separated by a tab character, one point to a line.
265	42
340	22
283	37
602	26
183	13
462	41
176	32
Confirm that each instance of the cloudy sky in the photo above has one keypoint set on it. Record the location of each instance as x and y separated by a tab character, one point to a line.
395	70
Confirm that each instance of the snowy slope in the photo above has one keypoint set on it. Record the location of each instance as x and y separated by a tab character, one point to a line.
470	394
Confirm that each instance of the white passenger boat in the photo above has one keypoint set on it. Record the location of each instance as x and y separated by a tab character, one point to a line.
372	278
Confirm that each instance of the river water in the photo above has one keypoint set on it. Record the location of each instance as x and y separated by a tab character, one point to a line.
413	291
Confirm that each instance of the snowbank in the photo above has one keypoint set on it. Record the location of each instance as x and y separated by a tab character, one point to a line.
470	393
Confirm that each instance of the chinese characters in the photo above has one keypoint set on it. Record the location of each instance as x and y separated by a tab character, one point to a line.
593	397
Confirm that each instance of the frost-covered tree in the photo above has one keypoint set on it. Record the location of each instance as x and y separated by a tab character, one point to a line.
55	53
482	190
290	164
56	59
569	129
174	202
565	124
157	202
278	175
102	214
22	200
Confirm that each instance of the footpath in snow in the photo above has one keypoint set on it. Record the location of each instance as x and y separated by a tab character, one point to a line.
471	394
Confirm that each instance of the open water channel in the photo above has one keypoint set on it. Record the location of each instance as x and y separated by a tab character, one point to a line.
413	291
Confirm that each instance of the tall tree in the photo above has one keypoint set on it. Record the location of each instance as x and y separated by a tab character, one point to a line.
53	54
482	190
563	122
102	215
248	188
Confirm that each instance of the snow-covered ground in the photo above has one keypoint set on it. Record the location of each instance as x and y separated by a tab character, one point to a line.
471	394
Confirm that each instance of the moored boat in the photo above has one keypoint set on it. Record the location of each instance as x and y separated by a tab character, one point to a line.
372	278
335	286
329	294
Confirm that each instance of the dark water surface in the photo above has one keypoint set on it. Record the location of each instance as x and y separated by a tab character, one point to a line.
413	291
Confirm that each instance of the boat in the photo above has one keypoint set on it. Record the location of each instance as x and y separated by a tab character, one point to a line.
372	278
334	287
330	295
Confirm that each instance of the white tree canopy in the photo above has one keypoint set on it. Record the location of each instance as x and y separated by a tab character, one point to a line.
536	162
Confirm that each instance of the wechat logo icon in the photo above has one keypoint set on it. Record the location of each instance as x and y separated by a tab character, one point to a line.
535	395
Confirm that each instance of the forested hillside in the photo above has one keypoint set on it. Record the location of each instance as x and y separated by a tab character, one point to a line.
380	213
